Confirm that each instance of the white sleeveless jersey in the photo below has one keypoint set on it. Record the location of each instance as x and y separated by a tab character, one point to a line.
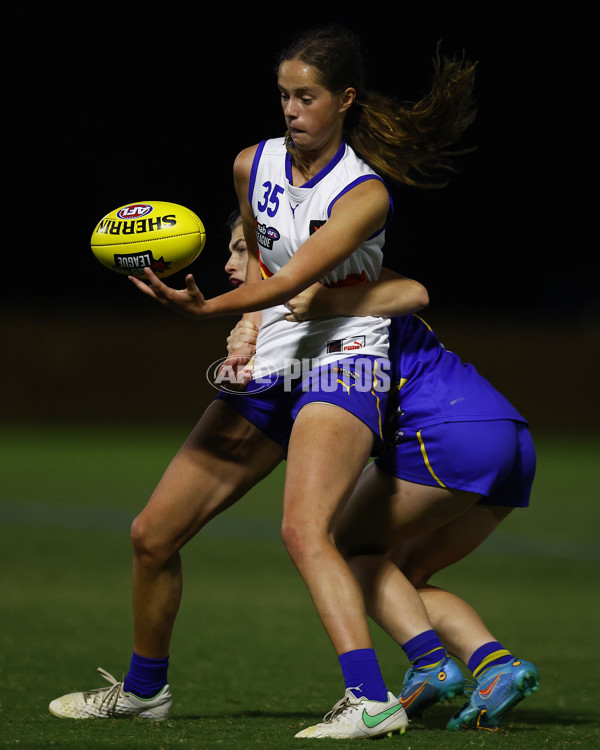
285	218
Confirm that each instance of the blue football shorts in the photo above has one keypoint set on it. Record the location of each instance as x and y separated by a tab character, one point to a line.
356	384
495	459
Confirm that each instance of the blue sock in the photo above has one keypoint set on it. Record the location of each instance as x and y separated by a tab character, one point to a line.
146	677
491	654
362	674
425	650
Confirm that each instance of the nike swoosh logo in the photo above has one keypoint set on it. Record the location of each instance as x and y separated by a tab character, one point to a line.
373	721
487	692
411	698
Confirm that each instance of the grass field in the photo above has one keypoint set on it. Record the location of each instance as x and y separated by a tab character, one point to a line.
250	662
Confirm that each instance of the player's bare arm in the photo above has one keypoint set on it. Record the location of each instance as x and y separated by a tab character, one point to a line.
390	296
357	215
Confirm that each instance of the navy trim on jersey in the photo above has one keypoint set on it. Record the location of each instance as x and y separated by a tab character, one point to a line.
254	170
356	182
321	174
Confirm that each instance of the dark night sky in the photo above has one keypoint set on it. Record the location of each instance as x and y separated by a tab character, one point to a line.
112	103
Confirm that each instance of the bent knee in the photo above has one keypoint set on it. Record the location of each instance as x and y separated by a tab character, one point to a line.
417	575
303	543
149	540
350	545
293	538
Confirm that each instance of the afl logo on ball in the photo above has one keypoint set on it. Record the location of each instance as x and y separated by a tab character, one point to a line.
135	211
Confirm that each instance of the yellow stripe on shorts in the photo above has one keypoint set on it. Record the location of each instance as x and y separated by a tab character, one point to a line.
377	399
426	459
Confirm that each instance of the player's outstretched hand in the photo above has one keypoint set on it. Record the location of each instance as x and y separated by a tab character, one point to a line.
189	301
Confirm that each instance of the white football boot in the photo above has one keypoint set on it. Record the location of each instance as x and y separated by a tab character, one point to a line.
112	703
354	717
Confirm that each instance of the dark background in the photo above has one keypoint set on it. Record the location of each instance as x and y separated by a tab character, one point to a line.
115	103
112	103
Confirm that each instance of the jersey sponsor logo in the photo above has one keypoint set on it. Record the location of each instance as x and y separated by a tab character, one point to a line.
346	345
135	211
315	225
266	236
136	262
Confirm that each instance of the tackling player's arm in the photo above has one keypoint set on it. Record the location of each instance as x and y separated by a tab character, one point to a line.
241	342
390	296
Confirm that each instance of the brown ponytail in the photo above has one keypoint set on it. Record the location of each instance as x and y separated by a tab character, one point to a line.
410	143
407	143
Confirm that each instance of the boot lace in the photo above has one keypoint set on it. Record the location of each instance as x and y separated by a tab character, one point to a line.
349	701
105	698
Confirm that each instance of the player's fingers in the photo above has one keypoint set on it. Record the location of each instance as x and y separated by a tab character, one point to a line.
247	371
160	289
151	276
142	286
240	341
190	284
195	294
247	334
247	324
236	361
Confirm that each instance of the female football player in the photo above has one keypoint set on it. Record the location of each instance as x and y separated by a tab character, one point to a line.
428	523
457	460
316	207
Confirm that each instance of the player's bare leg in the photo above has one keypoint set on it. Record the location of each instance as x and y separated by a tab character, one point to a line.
452	526
327	451
220	461
381	512
502	680
223	457
459	625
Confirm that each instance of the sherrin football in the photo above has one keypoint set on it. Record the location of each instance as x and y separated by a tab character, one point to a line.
165	237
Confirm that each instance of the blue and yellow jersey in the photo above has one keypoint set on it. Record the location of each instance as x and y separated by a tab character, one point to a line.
431	385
